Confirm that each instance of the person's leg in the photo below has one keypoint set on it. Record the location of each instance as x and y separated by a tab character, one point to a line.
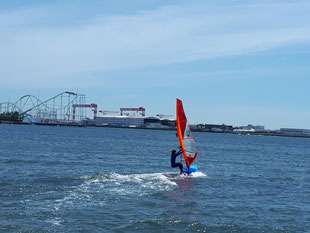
180	167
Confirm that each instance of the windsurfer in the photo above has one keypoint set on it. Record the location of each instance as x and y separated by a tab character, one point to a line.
174	155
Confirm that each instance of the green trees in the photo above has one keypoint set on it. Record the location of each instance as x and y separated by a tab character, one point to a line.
11	116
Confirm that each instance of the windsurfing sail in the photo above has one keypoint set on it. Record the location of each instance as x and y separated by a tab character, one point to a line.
185	135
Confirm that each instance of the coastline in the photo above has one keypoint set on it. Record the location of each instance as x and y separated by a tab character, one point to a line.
71	124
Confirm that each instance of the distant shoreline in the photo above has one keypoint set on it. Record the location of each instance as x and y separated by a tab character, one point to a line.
262	133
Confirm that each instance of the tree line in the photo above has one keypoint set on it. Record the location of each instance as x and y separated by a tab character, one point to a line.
11	116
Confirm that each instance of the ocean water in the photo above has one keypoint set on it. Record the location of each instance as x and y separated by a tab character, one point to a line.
66	179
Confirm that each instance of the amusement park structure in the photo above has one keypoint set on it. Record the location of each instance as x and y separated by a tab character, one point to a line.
65	108
136	110
92	106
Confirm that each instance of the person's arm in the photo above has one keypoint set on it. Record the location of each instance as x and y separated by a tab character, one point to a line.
179	152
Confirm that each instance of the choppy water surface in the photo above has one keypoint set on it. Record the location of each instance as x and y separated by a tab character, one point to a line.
62	179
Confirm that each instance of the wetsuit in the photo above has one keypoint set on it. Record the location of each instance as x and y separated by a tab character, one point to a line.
173	163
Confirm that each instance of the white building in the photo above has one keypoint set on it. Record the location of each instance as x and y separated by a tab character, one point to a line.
250	128
156	123
121	121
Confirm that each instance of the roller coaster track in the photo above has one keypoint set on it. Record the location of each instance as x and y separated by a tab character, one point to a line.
56	109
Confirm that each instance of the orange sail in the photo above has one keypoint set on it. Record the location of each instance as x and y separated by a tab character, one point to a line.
186	138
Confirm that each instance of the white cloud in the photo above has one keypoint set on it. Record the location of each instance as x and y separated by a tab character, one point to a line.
34	51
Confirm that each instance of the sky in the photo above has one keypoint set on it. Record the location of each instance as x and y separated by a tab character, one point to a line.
233	62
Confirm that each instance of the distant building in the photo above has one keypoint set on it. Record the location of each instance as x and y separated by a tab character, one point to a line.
170	123
152	122
293	131
250	128
215	128
120	121
156	123
135	121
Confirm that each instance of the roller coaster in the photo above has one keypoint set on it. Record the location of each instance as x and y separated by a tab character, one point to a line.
64	108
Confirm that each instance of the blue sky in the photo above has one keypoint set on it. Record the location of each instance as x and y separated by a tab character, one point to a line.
234	62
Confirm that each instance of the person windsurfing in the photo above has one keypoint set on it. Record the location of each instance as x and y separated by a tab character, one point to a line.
174	155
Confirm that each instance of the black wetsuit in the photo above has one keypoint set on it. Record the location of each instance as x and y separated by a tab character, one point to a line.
173	163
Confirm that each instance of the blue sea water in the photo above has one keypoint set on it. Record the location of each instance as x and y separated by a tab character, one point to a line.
66	179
